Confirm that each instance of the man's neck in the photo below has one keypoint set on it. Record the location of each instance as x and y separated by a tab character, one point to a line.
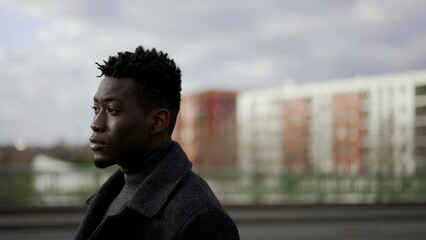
148	161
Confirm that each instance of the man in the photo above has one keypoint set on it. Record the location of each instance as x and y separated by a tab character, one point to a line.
154	194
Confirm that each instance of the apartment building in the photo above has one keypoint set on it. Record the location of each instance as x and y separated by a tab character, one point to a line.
206	129
365	124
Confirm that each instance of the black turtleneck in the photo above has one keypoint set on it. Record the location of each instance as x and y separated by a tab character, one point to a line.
135	175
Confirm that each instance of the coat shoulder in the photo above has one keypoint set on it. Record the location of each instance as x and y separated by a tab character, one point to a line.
194	195
196	210
210	224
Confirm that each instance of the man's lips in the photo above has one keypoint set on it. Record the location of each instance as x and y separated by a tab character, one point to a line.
96	144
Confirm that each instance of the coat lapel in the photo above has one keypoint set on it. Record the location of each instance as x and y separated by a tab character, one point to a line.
98	203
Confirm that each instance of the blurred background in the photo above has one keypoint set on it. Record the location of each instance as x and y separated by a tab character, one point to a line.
307	118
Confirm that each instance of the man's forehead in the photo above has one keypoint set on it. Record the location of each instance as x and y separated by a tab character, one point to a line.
112	89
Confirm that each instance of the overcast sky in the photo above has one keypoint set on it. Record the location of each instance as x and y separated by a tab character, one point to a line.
48	49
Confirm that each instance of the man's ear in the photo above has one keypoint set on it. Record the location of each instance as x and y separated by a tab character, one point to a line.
160	120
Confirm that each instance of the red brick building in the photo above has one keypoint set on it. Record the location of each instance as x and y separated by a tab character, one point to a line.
348	132
296	135
206	129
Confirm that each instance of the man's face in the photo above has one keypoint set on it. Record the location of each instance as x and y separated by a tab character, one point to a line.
120	127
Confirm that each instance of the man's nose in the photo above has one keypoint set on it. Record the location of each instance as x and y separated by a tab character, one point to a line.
98	123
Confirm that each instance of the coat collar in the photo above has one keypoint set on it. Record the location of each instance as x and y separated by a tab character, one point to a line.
150	197
154	192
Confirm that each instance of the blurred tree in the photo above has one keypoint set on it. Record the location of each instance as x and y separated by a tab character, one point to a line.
10	155
78	154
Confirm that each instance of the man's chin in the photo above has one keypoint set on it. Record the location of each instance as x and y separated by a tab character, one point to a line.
102	163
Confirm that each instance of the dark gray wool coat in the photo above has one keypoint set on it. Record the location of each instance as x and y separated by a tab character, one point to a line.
172	203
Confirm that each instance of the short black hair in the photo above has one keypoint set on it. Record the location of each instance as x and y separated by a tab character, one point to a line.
156	77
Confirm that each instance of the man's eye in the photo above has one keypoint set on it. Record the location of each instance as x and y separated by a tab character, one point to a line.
95	110
112	110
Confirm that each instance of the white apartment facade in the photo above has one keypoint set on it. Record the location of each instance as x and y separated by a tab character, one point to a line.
365	124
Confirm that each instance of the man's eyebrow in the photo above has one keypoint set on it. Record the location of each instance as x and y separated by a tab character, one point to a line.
106	99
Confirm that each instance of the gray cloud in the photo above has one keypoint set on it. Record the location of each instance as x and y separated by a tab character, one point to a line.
47	59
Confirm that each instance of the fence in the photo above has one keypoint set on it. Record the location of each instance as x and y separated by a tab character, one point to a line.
23	187
280	188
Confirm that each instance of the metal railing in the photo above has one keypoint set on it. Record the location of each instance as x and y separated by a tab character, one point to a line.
284	188
24	187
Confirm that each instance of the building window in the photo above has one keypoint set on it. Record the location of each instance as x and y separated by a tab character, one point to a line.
420	151
420	131
420	111
420	90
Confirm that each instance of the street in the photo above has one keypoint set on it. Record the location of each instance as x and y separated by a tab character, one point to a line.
265	223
